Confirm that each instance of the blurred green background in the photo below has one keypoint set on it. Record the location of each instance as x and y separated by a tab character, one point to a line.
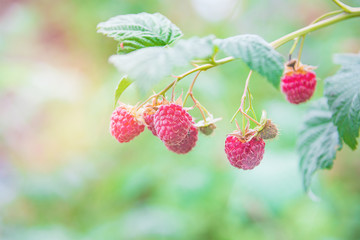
63	176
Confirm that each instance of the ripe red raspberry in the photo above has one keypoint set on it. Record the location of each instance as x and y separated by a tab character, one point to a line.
244	155
187	143
124	126
298	83
149	120
172	123
149	111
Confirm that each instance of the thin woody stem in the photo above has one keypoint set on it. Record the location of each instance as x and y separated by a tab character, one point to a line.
301	32
293	46
198	105
250	104
245	88
343	6
178	78
240	109
199	68
147	100
301	48
173	89
196	102
250	118
312	27
326	15
191	88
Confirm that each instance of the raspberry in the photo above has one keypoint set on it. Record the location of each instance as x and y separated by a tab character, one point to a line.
298	83
124	126
172	123
149	111
186	144
244	155
149	120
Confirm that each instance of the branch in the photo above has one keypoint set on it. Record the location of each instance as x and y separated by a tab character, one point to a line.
343	6
350	13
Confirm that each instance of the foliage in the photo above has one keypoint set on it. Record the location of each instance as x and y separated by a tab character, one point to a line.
333	119
147	56
64	178
121	87
147	66
257	54
318	141
343	93
135	31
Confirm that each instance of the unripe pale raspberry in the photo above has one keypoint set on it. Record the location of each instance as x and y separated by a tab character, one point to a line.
124	126
207	130
187	143
269	131
172	123
244	155
149	120
298	82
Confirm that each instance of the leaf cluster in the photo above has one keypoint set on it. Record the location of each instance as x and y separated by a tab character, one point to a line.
332	120
150	49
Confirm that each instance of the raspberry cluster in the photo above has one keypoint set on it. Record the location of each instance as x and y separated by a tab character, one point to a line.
170	122
174	126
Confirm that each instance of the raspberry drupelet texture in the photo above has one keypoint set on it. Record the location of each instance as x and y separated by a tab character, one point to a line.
187	143
172	123
149	120
244	155
298	86
124	126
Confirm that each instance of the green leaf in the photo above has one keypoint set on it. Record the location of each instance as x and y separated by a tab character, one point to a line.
347	60
256	53
136	31
342	91
193	48
122	85
148	66
318	141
